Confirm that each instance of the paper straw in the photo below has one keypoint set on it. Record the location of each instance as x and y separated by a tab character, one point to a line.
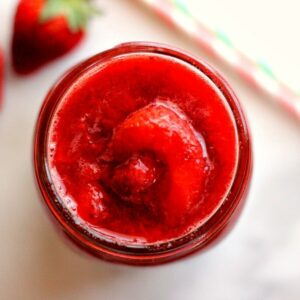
217	44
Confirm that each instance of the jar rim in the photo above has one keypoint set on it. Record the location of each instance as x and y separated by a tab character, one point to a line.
190	242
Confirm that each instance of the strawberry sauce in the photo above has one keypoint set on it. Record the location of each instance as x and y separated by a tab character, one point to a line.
143	148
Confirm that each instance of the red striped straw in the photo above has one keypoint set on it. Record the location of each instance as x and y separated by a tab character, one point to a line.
217	44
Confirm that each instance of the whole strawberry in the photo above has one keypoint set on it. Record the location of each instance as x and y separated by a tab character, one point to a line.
47	29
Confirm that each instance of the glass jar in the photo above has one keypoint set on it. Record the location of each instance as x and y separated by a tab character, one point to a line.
200	237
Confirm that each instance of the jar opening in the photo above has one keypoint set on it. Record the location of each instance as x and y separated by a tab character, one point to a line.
105	240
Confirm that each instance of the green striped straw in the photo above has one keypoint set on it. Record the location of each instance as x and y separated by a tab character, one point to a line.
217	43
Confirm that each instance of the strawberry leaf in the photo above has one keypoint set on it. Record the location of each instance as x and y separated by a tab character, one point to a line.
77	12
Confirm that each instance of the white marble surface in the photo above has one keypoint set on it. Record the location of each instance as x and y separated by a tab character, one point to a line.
260	259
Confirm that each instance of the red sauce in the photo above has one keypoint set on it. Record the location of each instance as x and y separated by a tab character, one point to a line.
143	147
